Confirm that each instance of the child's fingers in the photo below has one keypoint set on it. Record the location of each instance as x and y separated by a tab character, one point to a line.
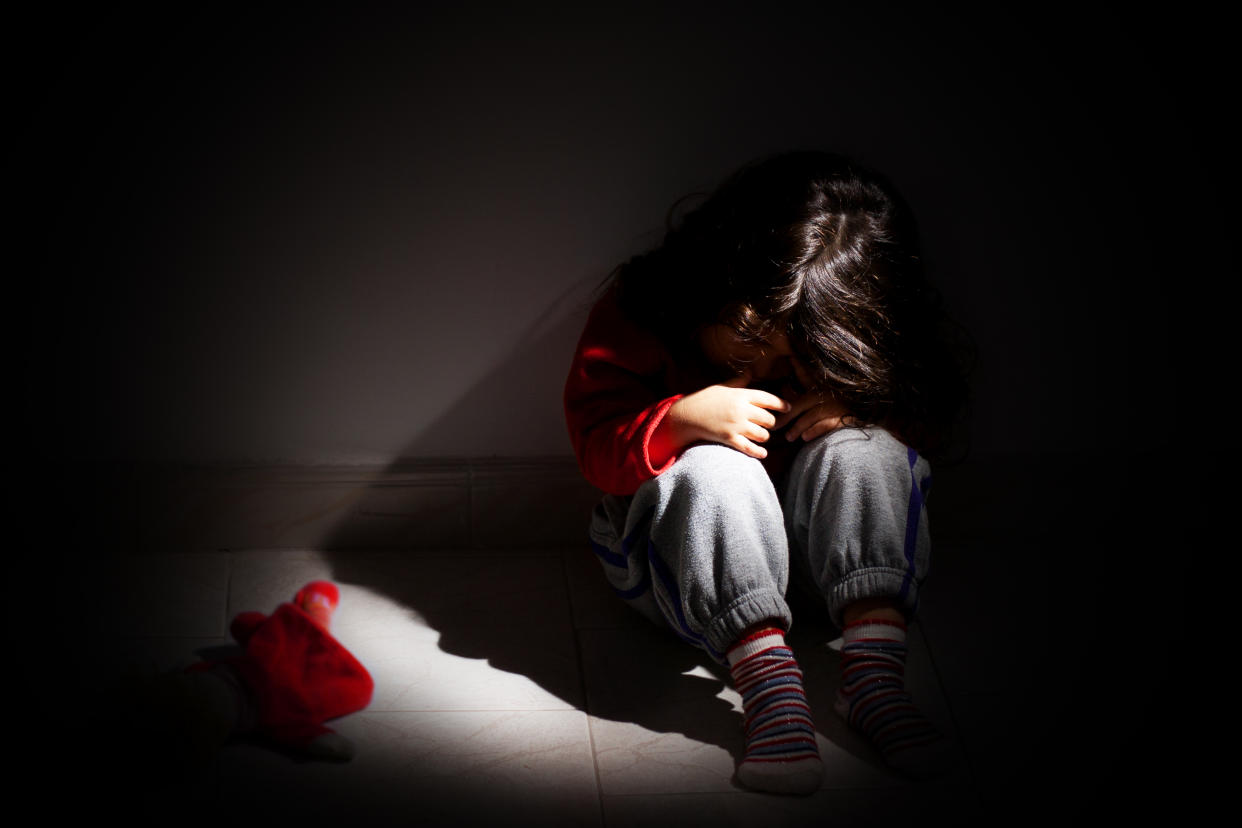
797	414
822	427
799	406
747	447
800	426
795	409
765	399
818	420
755	433
763	417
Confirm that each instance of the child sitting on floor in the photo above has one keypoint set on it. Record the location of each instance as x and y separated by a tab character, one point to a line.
759	394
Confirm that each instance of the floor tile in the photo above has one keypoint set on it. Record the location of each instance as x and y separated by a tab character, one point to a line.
439	633
465	768
662	715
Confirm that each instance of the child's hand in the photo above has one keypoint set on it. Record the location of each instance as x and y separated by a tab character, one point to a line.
816	413
730	414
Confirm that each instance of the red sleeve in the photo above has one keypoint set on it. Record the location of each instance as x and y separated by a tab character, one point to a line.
616	399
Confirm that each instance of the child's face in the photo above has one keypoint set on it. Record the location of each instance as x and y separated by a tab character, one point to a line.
770	362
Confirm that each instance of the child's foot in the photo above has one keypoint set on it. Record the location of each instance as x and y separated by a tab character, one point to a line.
781	754
873	699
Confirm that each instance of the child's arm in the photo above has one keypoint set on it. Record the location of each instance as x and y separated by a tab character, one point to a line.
615	400
618	439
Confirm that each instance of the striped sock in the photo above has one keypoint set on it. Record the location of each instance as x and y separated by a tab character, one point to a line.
873	698
781	754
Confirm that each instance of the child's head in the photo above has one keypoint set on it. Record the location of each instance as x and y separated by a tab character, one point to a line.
805	256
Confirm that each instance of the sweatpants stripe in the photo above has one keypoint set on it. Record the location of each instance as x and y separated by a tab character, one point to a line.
623	560
913	512
638	589
670	586
613	559
608	555
925	485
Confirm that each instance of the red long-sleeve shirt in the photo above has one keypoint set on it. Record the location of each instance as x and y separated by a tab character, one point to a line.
620	387
618	393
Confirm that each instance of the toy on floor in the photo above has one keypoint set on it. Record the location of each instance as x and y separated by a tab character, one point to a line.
292	677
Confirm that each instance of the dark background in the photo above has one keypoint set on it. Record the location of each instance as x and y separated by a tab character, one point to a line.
254	237
246	237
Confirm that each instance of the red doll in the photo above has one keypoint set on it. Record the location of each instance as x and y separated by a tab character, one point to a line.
293	676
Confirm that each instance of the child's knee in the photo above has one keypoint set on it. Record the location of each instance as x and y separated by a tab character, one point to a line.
871	450
714	464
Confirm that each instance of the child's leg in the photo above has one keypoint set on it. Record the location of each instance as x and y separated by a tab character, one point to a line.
703	549
854	507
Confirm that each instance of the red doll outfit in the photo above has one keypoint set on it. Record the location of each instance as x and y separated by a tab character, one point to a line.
296	674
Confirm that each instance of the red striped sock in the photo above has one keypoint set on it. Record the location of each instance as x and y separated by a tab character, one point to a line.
874	700
781	753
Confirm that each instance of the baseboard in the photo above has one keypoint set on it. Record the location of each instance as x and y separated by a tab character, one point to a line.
437	504
464	504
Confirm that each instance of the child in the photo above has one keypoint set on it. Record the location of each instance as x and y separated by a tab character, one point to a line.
758	393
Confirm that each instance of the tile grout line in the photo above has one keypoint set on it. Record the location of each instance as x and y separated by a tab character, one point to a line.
582	683
599	785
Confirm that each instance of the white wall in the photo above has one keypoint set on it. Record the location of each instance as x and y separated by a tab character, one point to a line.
318	240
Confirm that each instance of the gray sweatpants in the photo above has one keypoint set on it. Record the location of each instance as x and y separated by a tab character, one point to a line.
707	547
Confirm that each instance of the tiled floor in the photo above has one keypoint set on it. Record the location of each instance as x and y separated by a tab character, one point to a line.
512	687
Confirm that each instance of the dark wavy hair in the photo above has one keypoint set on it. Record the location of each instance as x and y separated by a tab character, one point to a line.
816	245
